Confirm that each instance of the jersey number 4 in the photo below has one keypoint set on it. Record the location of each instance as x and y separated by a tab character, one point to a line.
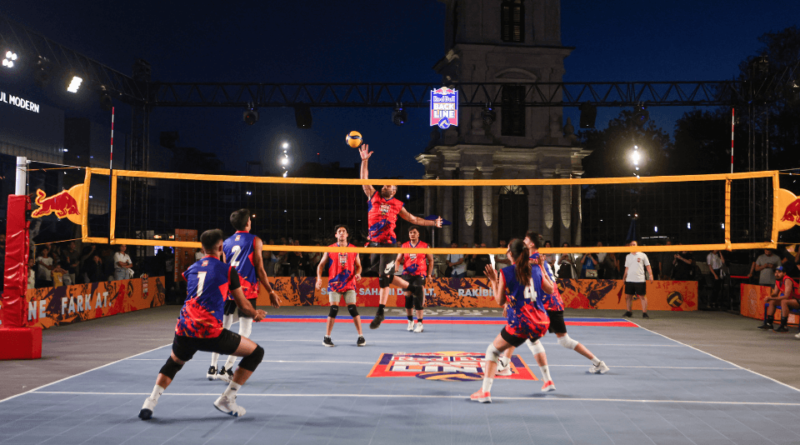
530	292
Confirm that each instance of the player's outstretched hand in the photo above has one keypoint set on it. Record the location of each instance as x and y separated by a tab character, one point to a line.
364	152
490	273
275	299
438	222
260	314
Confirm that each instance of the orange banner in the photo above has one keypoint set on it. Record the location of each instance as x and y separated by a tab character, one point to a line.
752	303
476	292
56	306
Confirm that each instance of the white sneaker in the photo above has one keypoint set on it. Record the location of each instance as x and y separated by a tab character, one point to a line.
228	406
146	412
411	326
502	364
600	368
212	373
797	336
418	329
226	375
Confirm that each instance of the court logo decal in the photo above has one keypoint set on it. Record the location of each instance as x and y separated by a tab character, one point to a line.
449	366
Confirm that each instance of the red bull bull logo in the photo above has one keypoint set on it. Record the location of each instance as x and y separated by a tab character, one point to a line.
65	204
790	205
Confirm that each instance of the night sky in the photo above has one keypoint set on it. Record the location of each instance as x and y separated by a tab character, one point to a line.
360	41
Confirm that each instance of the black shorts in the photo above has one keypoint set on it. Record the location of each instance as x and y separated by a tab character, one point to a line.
557	325
417	299
632	288
230	307
185	347
513	340
386	259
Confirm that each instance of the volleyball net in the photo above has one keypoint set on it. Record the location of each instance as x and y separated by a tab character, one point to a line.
705	212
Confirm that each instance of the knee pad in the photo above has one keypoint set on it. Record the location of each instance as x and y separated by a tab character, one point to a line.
535	347
170	368
492	353
385	280
353	310
409	301
245	327
418	302
251	362
334	311
567	342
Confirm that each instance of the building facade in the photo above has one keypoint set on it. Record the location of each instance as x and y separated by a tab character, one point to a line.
510	41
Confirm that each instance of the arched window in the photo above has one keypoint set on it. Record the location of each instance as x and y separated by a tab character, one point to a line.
512	21
513	212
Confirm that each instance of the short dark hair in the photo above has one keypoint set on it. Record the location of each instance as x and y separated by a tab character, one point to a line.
240	218
210	238
535	238
414	228
342	226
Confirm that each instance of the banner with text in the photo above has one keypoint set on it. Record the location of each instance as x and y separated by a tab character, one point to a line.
56	306
476	292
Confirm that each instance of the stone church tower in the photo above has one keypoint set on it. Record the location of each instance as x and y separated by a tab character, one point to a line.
507	41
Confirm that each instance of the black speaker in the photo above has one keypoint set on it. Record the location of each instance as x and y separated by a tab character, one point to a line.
588	115
302	116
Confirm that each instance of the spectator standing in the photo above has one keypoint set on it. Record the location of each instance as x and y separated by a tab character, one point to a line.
93	270
32	273
666	263
87	253
470	260
683	266
123	267
715	262
44	271
589	264
70	261
788	262
481	261
566	264
501	259
550	258
457	263
765	265
297	262
635	280
313	261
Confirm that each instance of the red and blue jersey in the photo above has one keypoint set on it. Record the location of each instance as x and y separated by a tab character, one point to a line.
382	218
208	282
239	253
341	273
552	302
781	285
415	263
525	316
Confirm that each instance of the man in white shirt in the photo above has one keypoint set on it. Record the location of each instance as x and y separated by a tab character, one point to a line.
715	262
457	262
122	263
634	278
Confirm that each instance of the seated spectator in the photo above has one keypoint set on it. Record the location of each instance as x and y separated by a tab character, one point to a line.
785	293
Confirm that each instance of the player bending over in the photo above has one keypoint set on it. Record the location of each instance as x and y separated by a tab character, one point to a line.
519	285
343	273
555	312
382	217
243	252
200	328
415	271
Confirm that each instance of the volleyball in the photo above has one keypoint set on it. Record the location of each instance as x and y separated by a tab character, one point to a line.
675	299
354	139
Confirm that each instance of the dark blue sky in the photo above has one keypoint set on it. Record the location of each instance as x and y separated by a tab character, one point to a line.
359	40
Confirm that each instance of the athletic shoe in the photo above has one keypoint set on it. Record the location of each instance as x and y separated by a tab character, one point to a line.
481	396
797	336
147	409
548	386
644	315
226	375
599	368
361	342
411	326
212	373
781	328
766	326
505	372
376	322
326	341
628	314
419	328
502	364
229	406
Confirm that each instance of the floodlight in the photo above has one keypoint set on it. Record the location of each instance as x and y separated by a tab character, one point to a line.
74	84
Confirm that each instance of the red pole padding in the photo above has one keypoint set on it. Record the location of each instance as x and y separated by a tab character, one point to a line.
15	309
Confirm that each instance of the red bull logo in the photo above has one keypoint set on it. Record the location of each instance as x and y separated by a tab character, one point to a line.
792	212
791	209
65	204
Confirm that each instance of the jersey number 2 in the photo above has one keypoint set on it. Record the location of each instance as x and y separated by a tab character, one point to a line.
235	251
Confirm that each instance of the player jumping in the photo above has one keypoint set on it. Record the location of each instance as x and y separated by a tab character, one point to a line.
519	285
382	217
199	326
343	273
415	271
243	252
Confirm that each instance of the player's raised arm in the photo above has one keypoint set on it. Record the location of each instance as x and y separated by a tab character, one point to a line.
365	155
258	263
419	221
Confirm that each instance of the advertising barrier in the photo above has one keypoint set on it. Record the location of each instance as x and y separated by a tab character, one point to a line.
476	292
752	303
56	306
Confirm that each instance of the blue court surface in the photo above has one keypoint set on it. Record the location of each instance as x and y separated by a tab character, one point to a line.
658	391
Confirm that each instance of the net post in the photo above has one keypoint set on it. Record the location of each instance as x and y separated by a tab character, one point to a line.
113	209
85	206
776	185
728	214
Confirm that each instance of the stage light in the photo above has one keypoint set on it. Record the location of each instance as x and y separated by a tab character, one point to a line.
793	93
635	156
285	161
656	229
640	115
399	115
249	193
250	114
285	145
284	175
689	225
488	114
588	115
8	60
74	84
42	71
302	116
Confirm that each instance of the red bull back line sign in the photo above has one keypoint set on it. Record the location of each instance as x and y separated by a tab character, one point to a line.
444	108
